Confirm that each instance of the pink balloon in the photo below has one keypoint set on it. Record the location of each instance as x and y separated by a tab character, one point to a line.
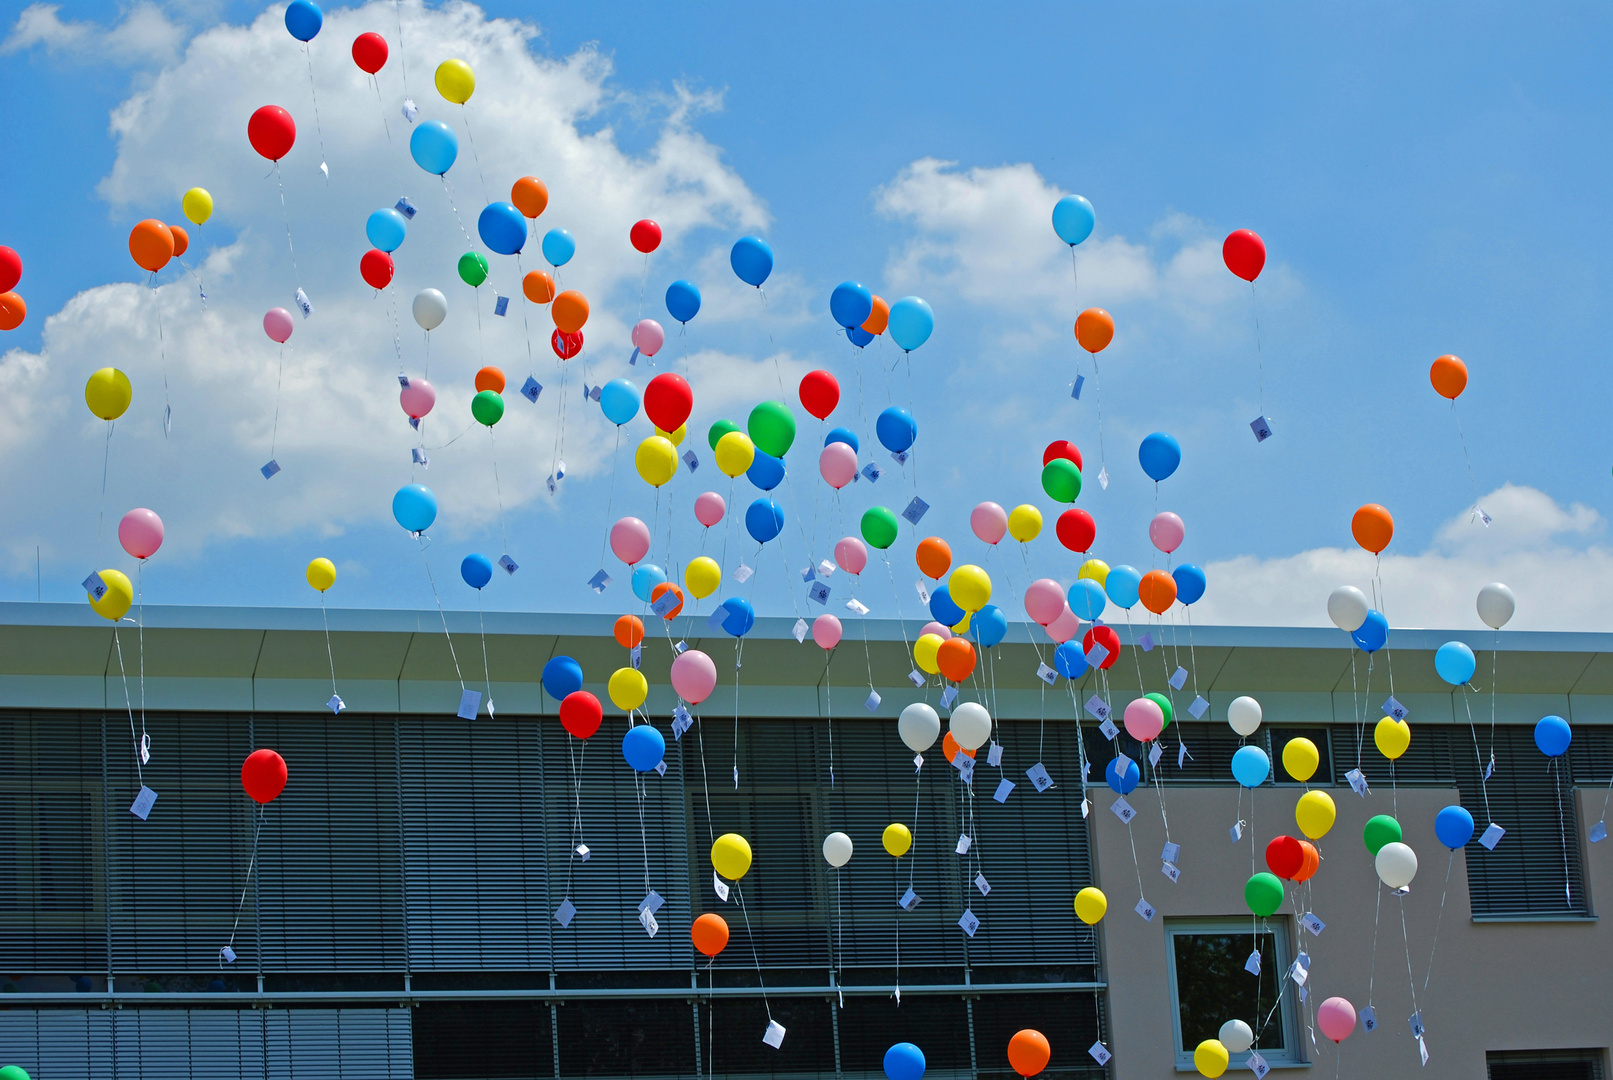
942	632
709	509
694	676
277	324
1166	531
1336	1018
1065	627
1144	720
826	631
417	398
140	533
989	521
648	337
630	539
1044	601
850	555
838	464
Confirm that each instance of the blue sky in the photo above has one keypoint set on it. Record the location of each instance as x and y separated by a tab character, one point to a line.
1427	181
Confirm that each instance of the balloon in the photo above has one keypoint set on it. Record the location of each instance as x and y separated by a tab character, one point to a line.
1312	862
682	300
643	746
1372	634
859	337
735	453
619	401
1073	219
1244	715
558	247
417	398
1065	627
151	244
826	631
11	264
911	323
1144	720
1284	857
904	1061
970	587
918	726
1396	864
581	714
570	313
1244	253
434	146
740	618
197	206
263	775
1076	530
1159	454
1165	707
271	131
1347	607
656	460
13	310
1094	330
1044	601
490	378
896	838
934	557
648	336
645	578
303	19
1121	586
989	522
851	555
989	626
1372	527
455	81
376	268
1096	569
879	314
430	309
879	527
694	676
1028	1052
1455	663
1166	531
321	574
1263	894
819	393
538	286
140	533
1210	1058
477	570
108	393
1061	480
369	53
837	849
1336	1018
1087	599
630	539
385	230
661	590
1024	523
709	934
627	689
487	408
766	471
530	196
1069	660
1454	827
956	659
701	577
1301	759
473	268
731	856
896	429
843	435
1236	1036
561	676
1448	376
1380	830
1190	583
1496	605
950	749
277	323
1250	766
851	304
752	260
1105	636
1315	814
629	631
1157	590
668	401
1091	905
1123	783
1392	737
772	428
502	228
764	519
181	240
1552	736
943	609
709	508
414	507
1062	448
114	604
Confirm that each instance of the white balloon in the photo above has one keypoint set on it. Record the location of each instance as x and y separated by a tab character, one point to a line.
1244	716
837	849
1397	865
1496	605
1236	1036
1347	607
919	726
970	725
430	308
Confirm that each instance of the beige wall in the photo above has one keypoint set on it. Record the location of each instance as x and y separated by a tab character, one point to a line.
1495	986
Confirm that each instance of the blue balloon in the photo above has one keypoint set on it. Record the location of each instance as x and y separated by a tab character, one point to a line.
859	337
943	610
646	576
1069	660
752	260
896	429
1190	583
682	300
1372	634
385	229
740	618
502	228
904	1061
989	626
1160	454
558	247
1454	827
562	676
414	507
619	401
304	19
1122	783
1087	599
1121	586
911	323
766	471
1073	219
851	303
434	146
1552	735
764	519
643	747
477	570
1455	663
1251	766
845	435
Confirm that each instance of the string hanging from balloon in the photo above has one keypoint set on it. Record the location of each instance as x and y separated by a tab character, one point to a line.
263	778
304	21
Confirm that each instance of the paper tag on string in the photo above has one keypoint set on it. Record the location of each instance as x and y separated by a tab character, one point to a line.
1122	763
1416	1022
501	306
1261	427
1039	777
565	913
871	472
1004	789
774	1035
1145	909
646	919
963	844
145	748
1299	973
632	359
1395	709
1178	678
873	701
417	456
1109	728
916	677
414	422
1313	924
742	573
1075	387
1099	1053
1236	832
335	704
1086	807
1171	852
681	724
1046	674
1357	781
143	803
667	603
1097	655
799	631
1258	1066
982	884
680	647
1198	707
808	573
599	581
1252	965
966	767
918	762
583	852
857	606
948	696
994	756
1492	836
1170	870
560	470
1123	810
1155	754
403	205
652	902
719	885
691	460
819	592
1369	1018
1103	478
909	900
1489	770
1099	708
916	510
1422	1047
736	777
168	410
303	304
900	456
923	591
1147	642
715	620
660	768
636	657
531	389
227	955
470	701
825	568
969	923
1598	832
269	469
510	565
1182	756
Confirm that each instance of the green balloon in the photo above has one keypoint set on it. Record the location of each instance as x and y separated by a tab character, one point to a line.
14	1072
1164	704
1263	894
718	430
772	428
1381	830
1061	480
473	271
879	527
487	407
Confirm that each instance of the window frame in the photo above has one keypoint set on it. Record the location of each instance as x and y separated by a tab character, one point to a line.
1280	928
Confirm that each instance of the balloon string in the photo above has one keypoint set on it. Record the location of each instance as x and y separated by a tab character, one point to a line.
1372	973
1484	783
1562	831
448	189
1410	978
644	282
376	82
760	981
1430	973
308	53
1474	480
576	794
829	715
498	491
440	613
330	656
1260	362
274	433
487	674
140	593
252	863
403	65
771	347
525	302
162	352
106	462
128	704
615	457
1097	385
286	216
464	112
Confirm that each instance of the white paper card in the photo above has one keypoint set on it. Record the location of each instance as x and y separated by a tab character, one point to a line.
982	884
969	922
510	565
965	766
1197	708
1147	642
857	606
599	581
336	704
1416	1022
1261	427
873	701
1103	478
819	594
918	762
1369	1018
915	510
1075	387
1492	836
1422	1047
1097	655
1086	807
742	573
1171	852
270	468
1046	674
1236	832
1179	678
916	677
1099	1053
719	886
923	591
799	631
668	602
418	456
1039	777
1313	924
1123	810
774	1035
143	803
636	657
1109	728
826	568
909	900
1171	871
95	586
227	954
1489	770
646	919
1299	973
565	913
660	768
1182	756
1122	764
1155	754
1004	789
948	696
584	851
963	844
1395	709
1258	1066
1145	909
1252	965
1598	832
1357	781
469	702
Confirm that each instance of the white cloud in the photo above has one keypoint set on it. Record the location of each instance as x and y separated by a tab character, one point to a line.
146	35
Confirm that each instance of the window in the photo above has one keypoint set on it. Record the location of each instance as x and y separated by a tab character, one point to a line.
1546	1064
1210	985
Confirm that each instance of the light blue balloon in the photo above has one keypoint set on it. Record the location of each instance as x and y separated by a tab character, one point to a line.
1371	635
1455	663
1087	599
740	618
764	519
646	577
989	626
1073	219
896	429
1159	455
851	303
1069	660
845	435
904	1061
303	19
477	570
414	507
1454	827
1552	736
1121	586
434	146
911	323
385	229
682	300
558	247
619	401
502	228
766	471
643	747
752	260
1250	766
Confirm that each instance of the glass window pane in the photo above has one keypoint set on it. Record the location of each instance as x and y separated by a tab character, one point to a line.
1212	986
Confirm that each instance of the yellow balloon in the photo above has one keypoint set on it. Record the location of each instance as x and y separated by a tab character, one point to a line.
970	587
730	856
735	452
674	437
1211	1058
1025	523
627	688
1090	905
1392	737
456	81
1315	814
924	650
321	574
1300	758
657	460
702	576
1096	569
897	839
108	393
119	596
197	205
962	627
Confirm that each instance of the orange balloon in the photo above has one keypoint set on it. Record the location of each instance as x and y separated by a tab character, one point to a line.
12	311
1313	859
1094	329
1449	376
181	240
934	557
1028	1052
710	934
1157	590
538	286
490	378
530	196
955	658
657	592
629	631
950	747
1372	527
151	243
875	323
570	311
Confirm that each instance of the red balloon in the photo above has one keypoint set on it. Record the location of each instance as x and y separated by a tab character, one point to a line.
369	52
1244	253
668	401
1105	636
1062	448
646	236
820	393
272	132
263	774
377	268
10	269
1285	857
566	345
1077	530
580	713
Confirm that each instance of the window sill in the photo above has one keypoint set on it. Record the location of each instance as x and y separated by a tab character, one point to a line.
1536	917
1239	1066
